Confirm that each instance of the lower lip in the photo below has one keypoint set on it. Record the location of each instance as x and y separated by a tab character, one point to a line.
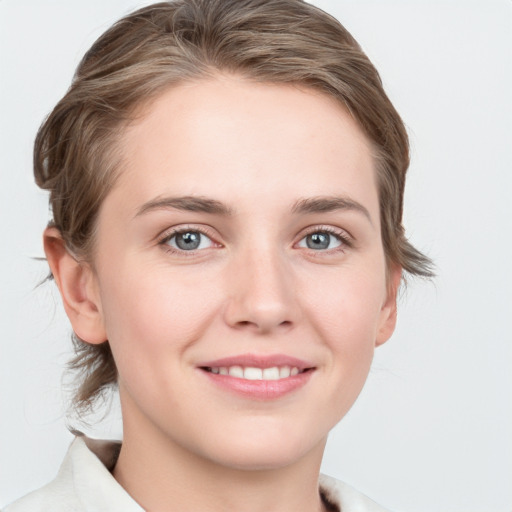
260	389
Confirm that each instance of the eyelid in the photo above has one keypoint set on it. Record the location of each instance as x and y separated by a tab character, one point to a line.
347	240
167	234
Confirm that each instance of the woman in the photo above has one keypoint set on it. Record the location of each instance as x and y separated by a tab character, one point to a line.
226	181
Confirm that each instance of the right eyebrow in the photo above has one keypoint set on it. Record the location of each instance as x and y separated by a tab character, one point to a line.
330	204
185	203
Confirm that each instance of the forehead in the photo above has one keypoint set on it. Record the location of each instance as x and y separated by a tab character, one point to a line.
238	139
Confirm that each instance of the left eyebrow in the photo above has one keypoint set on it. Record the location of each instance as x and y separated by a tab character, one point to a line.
185	203
324	204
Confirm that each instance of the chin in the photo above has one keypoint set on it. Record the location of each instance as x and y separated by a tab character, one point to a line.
261	452
259	460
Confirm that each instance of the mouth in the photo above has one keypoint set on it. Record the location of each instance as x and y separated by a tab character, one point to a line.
258	377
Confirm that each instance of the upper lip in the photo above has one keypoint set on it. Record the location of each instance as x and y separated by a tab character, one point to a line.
258	361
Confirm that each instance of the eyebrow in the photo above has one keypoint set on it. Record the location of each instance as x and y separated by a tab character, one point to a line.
185	203
324	204
320	204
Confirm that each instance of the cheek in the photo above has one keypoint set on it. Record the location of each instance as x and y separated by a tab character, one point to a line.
346	304
347	322
153	316
345	314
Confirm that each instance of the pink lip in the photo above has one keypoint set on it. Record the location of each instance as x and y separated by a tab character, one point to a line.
259	389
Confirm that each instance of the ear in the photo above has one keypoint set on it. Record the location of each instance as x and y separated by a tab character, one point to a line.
78	287
389	310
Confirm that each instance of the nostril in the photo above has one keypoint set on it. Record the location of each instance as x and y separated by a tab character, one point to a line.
248	323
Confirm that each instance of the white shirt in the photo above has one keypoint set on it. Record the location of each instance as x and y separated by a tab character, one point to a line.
84	483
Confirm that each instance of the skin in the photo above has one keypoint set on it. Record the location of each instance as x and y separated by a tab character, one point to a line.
254	286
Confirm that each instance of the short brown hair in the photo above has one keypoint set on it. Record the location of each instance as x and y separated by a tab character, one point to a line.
274	41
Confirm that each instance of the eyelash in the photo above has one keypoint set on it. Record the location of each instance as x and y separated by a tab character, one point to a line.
169	235
346	241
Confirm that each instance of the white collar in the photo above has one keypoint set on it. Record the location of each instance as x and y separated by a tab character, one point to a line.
87	467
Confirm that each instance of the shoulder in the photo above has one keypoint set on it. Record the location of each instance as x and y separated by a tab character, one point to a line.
83	483
341	496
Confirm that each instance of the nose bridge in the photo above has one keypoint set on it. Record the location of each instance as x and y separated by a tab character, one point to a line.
261	289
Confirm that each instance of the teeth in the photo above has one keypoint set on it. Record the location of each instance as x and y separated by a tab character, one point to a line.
252	373
270	373
236	371
284	372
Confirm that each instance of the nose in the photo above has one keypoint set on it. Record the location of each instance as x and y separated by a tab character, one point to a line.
262	293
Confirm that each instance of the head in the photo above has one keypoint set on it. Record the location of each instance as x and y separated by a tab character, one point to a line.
79	150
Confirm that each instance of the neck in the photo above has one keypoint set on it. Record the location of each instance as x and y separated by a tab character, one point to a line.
162	475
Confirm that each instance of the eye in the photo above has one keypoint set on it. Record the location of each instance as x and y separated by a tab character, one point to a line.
188	241
321	241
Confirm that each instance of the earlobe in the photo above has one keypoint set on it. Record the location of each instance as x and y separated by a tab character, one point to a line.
77	284
389	308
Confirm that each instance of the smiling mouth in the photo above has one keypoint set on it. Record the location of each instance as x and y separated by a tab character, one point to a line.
259	377
253	373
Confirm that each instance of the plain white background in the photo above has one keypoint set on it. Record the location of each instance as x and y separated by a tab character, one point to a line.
431	430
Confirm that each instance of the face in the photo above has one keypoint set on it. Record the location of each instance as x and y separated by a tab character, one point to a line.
239	271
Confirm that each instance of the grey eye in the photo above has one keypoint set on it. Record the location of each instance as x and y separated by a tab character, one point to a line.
320	241
189	241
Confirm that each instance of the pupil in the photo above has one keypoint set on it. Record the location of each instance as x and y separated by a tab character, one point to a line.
188	241
318	241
